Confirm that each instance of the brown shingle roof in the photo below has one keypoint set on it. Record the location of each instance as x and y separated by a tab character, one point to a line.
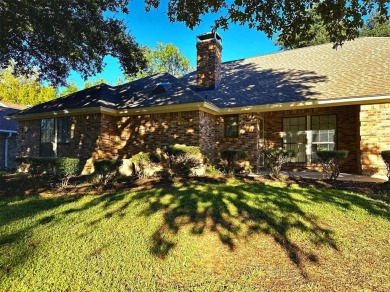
359	68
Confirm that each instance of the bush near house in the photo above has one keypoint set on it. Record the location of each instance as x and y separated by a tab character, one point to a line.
232	160
275	158
106	169
331	160
145	163
386	158
184	160
66	168
36	166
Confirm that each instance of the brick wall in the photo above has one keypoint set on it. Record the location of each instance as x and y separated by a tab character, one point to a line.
207	135
155	131
375	137
209	56
248	135
347	134
28	138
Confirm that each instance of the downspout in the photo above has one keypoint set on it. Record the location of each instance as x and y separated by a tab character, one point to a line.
6	150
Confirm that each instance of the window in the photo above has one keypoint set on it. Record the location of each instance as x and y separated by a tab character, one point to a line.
47	130
323	134
294	137
231	126
63	130
53	132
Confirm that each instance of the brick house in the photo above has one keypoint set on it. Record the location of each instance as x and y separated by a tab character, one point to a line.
304	99
8	131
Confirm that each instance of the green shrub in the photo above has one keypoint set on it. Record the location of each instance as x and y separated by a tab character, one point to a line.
36	166
330	161
66	168
386	158
275	158
184	160
106	169
144	162
231	159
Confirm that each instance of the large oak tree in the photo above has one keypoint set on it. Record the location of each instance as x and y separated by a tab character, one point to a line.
287	18
57	36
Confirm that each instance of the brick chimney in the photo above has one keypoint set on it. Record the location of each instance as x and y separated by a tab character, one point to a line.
209	55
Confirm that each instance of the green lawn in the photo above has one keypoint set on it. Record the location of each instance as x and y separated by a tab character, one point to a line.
196	236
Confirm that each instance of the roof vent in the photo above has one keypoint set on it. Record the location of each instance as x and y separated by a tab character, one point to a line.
162	87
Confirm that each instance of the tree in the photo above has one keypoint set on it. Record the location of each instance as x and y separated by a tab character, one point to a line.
342	19
164	58
316	35
72	86
376	27
60	36
23	90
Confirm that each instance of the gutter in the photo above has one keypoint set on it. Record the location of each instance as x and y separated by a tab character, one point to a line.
6	147
207	107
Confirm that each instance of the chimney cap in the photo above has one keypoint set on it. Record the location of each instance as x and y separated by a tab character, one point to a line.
209	36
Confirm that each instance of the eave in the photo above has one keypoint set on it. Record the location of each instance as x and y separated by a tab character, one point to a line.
209	108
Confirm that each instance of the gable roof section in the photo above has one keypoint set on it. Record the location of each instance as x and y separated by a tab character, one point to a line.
307	77
136	94
6	109
360	68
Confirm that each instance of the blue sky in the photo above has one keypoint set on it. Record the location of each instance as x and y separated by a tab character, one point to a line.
153	27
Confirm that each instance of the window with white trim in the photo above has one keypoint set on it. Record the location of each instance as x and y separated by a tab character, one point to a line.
323	133
54	131
294	137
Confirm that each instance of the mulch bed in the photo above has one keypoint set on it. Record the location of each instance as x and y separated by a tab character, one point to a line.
21	184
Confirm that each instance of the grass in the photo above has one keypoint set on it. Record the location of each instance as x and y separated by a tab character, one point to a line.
195	236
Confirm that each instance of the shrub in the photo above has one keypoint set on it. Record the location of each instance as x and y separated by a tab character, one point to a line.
184	160
144	162
386	158
66	168
275	158
232	158
106	169
330	161
36	166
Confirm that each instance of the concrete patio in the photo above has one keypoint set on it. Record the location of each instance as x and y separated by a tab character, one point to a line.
320	175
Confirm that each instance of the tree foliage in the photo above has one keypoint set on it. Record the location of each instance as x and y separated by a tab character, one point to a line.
60	36
164	58
342	19
376	27
23	90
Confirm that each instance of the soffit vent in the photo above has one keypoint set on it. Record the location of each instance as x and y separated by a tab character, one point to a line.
162	87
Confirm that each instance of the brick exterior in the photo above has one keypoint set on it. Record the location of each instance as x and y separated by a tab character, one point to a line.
103	136
209	56
375	137
248	135
347	133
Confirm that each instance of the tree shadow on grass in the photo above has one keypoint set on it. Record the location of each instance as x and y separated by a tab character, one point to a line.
233	212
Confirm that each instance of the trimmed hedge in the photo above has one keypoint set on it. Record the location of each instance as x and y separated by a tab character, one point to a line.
275	158
106	169
232	156
386	158
184	160
331	160
143	163
65	167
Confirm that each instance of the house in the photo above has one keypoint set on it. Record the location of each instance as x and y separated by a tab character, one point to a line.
304	99
8	131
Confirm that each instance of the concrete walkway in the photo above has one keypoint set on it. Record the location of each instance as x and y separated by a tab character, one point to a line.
342	176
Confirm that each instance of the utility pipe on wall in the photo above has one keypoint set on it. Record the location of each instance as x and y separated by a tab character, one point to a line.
6	150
